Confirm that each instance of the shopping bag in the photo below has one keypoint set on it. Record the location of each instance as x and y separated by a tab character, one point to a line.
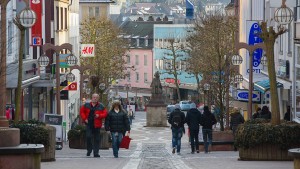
125	142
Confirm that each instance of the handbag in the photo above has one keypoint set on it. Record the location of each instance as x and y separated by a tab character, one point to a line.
125	142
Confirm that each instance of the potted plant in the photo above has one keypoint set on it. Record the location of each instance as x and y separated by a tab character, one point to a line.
36	132
260	140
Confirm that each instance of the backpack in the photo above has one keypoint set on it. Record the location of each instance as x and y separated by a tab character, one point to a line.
176	120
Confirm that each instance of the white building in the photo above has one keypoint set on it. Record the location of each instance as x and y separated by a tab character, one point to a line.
214	8
252	12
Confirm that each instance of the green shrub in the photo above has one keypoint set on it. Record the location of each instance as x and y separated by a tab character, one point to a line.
32	132
76	132
259	131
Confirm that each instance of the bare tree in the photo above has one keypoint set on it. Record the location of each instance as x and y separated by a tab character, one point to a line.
108	63
211	45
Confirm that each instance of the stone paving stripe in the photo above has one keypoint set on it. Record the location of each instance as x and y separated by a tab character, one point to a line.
132	164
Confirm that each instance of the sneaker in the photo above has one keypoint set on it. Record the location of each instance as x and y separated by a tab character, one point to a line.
96	155
193	152
88	154
198	151
173	151
178	153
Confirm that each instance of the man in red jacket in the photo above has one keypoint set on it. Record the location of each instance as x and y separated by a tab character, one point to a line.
92	114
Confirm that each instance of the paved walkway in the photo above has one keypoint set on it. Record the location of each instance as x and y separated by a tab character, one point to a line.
151	149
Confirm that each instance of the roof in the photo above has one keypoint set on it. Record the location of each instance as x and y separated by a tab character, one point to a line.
264	85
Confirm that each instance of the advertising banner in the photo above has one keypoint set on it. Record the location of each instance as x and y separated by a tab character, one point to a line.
87	50
36	29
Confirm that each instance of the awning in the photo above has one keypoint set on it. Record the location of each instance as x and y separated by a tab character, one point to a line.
264	85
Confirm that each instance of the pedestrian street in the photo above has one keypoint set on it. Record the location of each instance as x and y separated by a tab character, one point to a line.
151	149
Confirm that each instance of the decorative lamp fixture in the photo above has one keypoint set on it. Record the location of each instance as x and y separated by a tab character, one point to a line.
70	77
263	60
283	15
88	90
43	60
206	86
102	86
71	60
238	78
236	60
27	18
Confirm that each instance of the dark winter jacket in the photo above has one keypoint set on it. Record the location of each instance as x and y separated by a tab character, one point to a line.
235	119
208	120
117	122
174	113
193	118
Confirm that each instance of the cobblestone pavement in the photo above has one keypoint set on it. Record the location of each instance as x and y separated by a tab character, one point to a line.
151	149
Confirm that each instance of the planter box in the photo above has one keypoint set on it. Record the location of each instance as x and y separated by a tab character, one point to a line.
49	153
265	152
80	143
221	141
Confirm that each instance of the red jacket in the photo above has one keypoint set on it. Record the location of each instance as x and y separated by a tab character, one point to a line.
100	110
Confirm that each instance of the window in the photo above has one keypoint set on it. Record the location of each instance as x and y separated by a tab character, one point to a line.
146	42
128	59
97	11
91	12
145	77
298	55
145	60
10	37
136	59
137	76
289	39
298	10
66	18
61	18
128	77
57	18
281	44
137	42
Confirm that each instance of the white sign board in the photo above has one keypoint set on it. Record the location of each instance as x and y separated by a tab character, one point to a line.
243	95
87	50
55	121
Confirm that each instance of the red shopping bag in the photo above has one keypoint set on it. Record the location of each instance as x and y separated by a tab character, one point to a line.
125	142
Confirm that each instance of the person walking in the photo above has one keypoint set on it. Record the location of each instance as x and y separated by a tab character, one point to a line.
130	116
177	120
257	113
235	120
207	121
192	119
117	123
265	113
92	114
287	115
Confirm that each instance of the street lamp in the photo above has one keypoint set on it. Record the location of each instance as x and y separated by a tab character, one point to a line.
44	61
25	19
206	88
127	87
81	71
283	15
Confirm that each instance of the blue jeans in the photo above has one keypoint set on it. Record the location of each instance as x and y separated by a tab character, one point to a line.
176	138
116	140
90	133
207	134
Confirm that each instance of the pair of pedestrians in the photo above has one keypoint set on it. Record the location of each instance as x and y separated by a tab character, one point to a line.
193	119
116	123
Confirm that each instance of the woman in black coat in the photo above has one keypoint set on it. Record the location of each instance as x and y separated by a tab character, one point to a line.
117	123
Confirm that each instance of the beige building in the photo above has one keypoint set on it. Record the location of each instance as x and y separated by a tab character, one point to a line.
94	8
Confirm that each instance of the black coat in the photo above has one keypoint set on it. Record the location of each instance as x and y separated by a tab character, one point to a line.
235	119
117	122
193	118
208	120
182	115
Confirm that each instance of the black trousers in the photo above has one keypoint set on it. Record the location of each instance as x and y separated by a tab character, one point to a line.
92	133
194	139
